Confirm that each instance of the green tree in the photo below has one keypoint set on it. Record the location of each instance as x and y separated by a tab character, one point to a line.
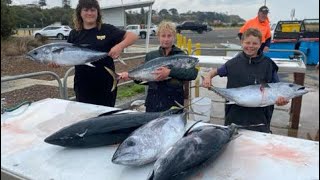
7	20
164	12
174	12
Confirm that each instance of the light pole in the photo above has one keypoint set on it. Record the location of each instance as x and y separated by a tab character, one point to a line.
265	2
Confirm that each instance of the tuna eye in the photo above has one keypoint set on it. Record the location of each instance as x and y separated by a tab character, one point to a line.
291	85
35	53
131	143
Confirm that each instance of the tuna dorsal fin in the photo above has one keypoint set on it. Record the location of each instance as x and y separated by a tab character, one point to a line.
188	130
110	112
59	50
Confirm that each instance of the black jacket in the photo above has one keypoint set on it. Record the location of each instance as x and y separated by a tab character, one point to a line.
161	95
244	71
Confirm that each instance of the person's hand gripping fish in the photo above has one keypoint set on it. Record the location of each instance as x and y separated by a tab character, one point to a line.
162	73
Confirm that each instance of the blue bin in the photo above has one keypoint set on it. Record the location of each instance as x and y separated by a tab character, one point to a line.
311	48
281	45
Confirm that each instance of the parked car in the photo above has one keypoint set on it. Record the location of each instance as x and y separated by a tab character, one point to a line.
210	28
141	30
192	26
154	29
52	31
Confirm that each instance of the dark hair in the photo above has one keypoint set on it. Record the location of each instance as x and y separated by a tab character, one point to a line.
77	20
252	32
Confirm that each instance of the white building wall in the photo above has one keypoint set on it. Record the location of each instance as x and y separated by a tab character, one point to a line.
115	17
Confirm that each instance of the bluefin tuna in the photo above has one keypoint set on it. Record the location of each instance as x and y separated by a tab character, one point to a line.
260	95
144	72
65	54
196	147
148	142
103	130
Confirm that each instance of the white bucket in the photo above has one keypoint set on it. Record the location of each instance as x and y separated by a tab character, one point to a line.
201	105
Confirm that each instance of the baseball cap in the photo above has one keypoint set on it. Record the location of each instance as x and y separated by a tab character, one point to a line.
264	9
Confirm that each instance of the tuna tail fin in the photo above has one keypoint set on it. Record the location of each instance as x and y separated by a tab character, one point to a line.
151	176
114	76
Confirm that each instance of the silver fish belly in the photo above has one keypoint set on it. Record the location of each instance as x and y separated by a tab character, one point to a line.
260	95
65	54
146	144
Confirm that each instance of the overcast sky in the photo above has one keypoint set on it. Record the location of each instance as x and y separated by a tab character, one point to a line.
279	9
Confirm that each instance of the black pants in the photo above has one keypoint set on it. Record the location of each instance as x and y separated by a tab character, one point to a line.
163	99
247	116
93	86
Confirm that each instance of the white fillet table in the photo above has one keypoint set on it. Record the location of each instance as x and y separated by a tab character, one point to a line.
25	155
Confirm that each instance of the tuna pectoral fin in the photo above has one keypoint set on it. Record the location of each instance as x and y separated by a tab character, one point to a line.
114	76
58	51
89	64
151	176
179	105
230	102
110	112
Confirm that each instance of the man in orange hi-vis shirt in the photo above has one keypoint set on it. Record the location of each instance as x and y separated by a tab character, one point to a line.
260	22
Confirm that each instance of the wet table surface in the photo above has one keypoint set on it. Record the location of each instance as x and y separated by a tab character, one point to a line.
252	155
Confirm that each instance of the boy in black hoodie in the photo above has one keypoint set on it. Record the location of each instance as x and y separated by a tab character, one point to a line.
163	93
248	68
